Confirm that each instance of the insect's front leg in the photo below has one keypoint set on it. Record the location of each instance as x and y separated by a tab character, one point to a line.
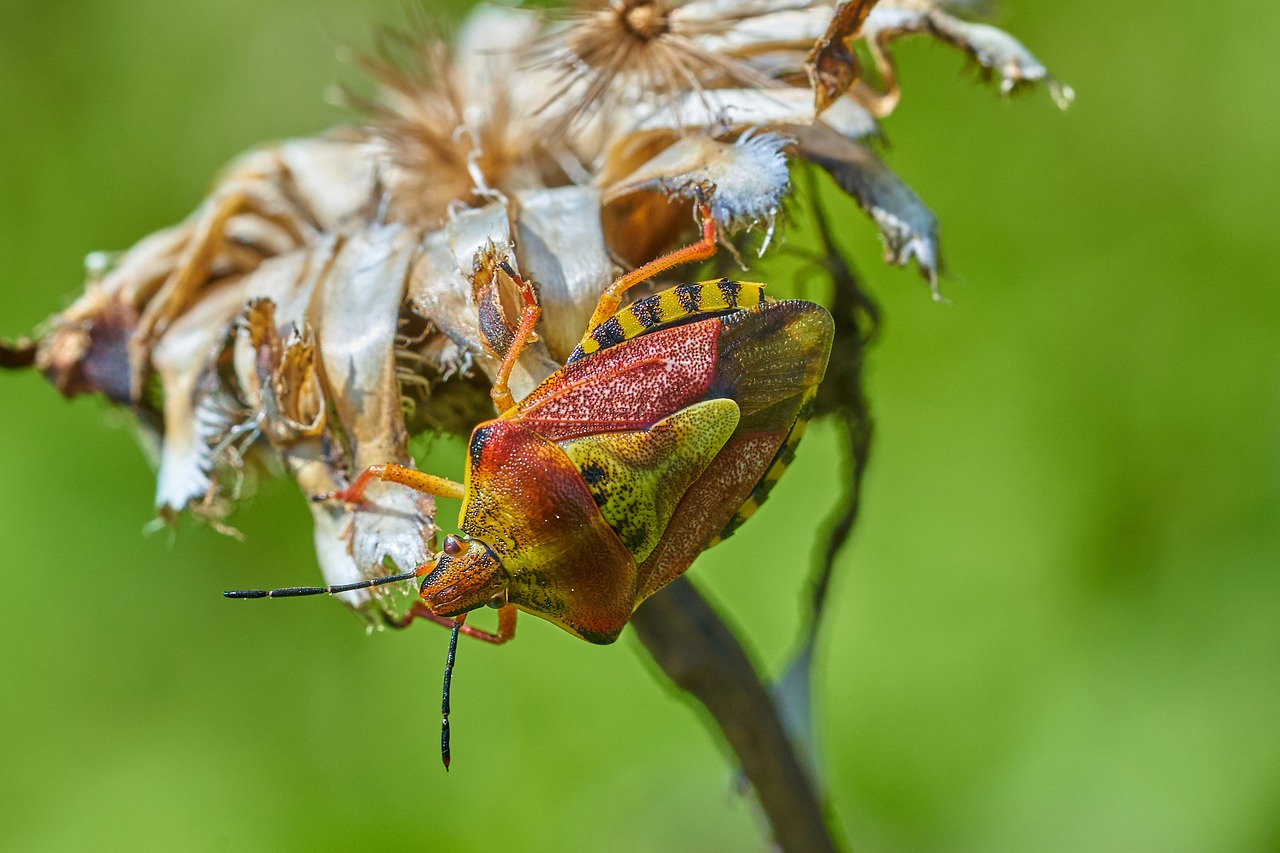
611	299
419	481
506	623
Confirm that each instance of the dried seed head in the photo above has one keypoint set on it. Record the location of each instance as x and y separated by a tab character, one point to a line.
451	125
625	53
644	18
433	152
325	303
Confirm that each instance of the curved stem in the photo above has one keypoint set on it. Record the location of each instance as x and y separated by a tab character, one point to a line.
704	658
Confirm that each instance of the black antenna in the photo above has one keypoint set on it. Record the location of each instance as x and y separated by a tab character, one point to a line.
444	703
294	591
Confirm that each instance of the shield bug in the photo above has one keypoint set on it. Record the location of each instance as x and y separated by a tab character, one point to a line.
664	430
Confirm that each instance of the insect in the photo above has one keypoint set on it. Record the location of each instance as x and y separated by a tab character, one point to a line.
665	429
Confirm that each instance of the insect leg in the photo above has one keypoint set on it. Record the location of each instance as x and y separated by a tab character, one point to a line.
419	481
506	623
500	393
699	251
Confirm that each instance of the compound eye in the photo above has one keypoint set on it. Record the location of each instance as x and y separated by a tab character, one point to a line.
453	546
499	600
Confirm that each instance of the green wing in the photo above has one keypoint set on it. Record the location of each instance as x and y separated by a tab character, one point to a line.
638	478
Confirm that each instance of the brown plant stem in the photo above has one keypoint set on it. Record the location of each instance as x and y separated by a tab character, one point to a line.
704	658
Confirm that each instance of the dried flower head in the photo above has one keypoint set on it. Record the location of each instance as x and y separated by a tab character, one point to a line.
449	117
334	296
632	53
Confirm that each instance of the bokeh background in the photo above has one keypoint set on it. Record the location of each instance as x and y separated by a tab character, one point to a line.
1058	627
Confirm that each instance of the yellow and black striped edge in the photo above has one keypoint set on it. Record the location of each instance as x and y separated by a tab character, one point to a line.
667	307
786	453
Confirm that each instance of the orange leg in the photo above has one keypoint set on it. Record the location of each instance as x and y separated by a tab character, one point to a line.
506	623
500	393
611	299
419	481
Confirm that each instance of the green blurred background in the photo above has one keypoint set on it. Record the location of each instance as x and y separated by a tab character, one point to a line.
1058	627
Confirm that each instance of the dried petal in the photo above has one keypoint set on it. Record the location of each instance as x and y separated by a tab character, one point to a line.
207	422
181	357
907	228
359	311
87	348
561	248
756	28
305	187
992	48
442	289
332	181
298	408
279	380
278	295
997	50
723	109
333	552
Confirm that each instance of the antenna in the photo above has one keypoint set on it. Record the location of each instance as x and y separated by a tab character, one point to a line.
448	678
295	591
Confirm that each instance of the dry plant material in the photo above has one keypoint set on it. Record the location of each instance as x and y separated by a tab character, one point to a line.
831	64
334	296
627	54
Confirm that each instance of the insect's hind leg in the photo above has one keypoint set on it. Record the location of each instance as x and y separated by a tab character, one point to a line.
611	299
506	622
